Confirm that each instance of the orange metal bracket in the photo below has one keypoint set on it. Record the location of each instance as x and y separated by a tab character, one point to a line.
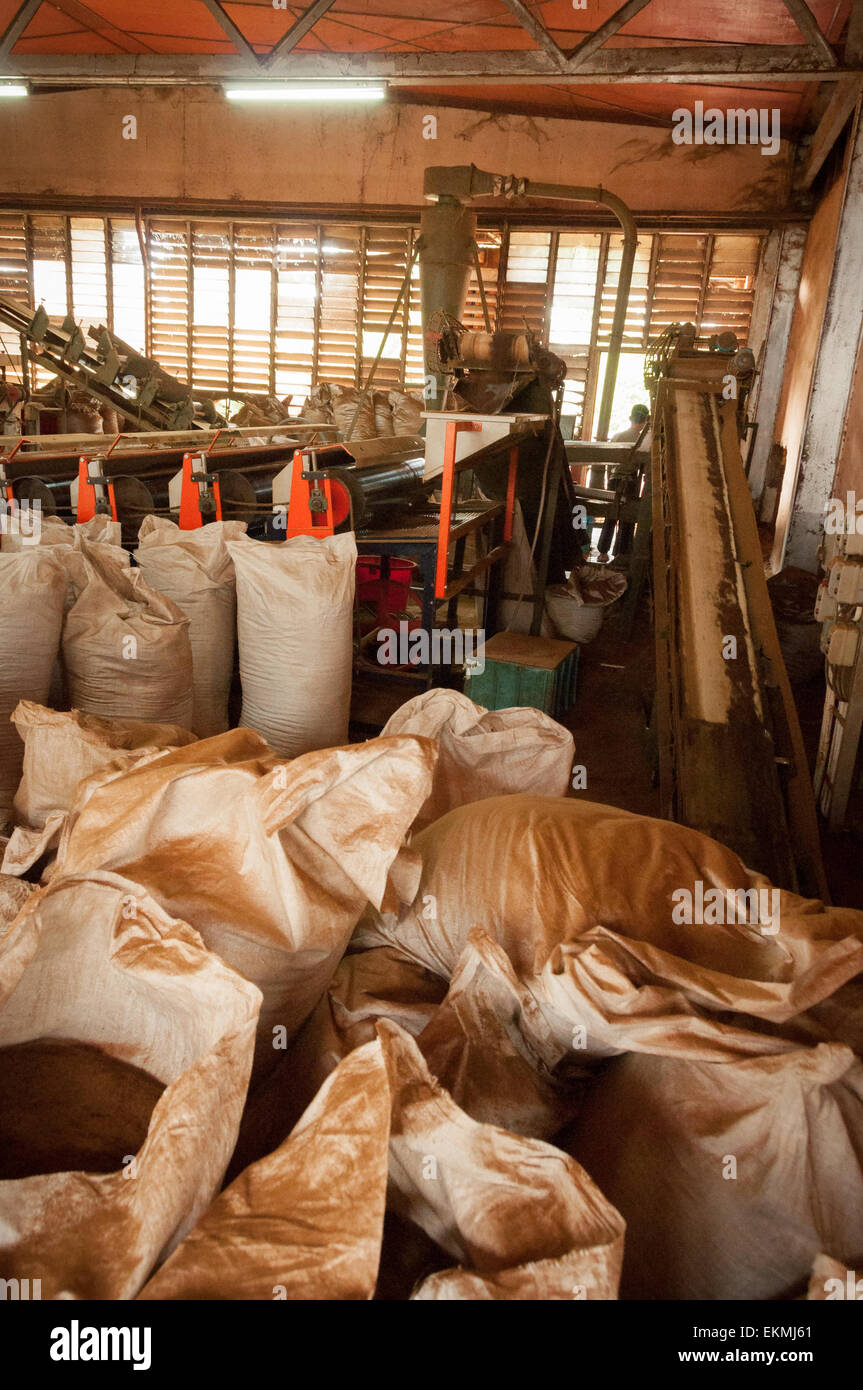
453	429
191	517
302	519
510	493
86	508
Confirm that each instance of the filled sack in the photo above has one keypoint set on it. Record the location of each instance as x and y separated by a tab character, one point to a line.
32	591
367	986
272	863
407	412
731	1176
383	415
62	748
126	647
538	873
125	1048
474	1212
483	753
295	613
354	413
195	571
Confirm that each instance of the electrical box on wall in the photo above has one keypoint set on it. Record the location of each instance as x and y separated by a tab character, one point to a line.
844	640
845	580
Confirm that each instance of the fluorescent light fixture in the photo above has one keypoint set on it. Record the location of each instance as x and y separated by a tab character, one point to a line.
309	91
14	89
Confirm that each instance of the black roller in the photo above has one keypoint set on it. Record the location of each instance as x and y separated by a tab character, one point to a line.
382	487
133	501
35	490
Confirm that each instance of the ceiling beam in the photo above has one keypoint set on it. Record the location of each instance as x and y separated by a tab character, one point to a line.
537	31
224	21
725	65
16	26
592	44
854	36
298	30
840	108
808	26
96	24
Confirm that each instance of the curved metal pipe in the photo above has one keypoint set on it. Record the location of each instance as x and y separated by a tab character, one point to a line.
465	182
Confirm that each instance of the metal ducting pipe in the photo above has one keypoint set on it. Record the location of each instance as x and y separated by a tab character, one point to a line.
447	230
461	183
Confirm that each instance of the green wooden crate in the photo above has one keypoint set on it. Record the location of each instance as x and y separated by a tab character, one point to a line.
536	671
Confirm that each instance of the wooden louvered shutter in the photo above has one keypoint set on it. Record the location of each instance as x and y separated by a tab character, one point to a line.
489	260
341	258
297	283
14	282
14	272
681	261
731	285
254	307
50	274
573	309
211	293
636	312
129	299
414	357
386	254
524	292
170	277
89	270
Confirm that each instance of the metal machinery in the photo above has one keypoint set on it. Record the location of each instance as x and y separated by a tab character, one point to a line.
489	372
301	480
731	757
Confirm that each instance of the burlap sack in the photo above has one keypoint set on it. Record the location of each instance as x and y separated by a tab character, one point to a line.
194	569
407	412
520	1220
366	987
272	864
484	752
519	579
731	1176
295	613
13	895
93	960
61	750
493	1050
354	413
538	873
383	414
317	408
126	647
832	1281
53	530
32	590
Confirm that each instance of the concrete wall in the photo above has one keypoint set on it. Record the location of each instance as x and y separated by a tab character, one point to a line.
192	144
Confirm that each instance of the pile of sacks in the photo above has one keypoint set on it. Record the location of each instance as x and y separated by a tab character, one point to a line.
362	415
401	1020
81	627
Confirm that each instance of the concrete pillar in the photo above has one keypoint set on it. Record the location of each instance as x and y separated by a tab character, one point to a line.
834	372
768	338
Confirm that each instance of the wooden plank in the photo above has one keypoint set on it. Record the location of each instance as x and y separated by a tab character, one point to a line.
590	45
16	26
538	31
806	23
840	108
224	21
298	30
746	64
